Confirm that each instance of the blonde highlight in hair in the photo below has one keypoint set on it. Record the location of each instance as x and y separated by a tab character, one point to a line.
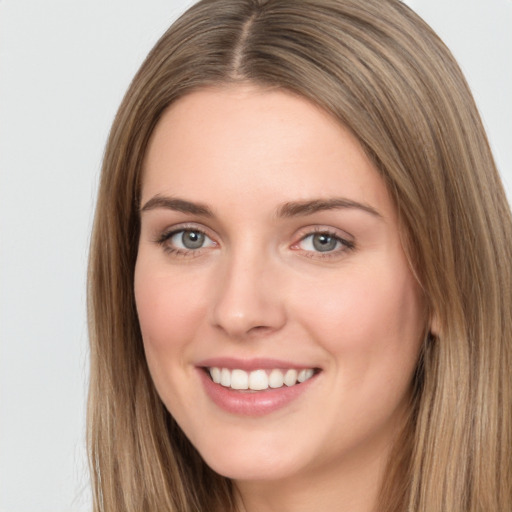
382	72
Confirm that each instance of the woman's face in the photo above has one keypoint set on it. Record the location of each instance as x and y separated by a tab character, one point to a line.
270	254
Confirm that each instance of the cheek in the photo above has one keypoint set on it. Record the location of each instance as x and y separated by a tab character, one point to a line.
169	312
168	307
365	314
371	325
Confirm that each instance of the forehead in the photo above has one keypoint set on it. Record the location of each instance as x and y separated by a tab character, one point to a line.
239	141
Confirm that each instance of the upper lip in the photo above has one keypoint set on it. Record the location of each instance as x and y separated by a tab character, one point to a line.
251	364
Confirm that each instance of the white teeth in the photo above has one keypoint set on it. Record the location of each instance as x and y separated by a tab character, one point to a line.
305	375
259	380
276	379
215	373
225	377
290	378
239	379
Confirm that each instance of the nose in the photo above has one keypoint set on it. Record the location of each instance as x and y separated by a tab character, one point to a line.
249	300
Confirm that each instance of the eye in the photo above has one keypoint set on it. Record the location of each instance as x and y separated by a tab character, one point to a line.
324	242
184	241
190	239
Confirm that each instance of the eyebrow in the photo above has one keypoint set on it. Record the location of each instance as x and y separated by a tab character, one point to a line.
178	205
287	210
303	208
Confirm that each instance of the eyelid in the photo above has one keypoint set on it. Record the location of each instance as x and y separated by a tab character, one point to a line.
182	226
323	228
347	241
163	236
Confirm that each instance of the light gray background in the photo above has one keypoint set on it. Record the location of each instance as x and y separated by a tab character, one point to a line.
64	66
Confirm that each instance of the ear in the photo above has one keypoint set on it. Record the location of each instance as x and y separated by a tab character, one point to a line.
434	325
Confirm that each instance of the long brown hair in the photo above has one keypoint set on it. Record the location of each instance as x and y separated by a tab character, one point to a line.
382	72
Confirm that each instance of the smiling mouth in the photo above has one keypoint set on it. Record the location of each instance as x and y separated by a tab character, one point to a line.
259	380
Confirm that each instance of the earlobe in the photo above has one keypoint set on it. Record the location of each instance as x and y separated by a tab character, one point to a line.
434	325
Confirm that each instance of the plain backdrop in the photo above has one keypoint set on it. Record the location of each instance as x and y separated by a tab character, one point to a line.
64	66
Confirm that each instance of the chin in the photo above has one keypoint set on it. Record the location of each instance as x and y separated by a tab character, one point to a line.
249	470
253	461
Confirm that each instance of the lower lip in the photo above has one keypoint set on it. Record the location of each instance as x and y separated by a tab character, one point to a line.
256	403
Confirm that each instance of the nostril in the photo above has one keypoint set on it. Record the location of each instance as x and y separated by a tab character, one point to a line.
260	330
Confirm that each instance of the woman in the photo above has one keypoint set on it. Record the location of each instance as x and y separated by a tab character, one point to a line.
299	275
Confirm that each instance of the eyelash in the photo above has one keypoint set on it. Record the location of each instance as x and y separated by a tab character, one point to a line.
164	238
346	245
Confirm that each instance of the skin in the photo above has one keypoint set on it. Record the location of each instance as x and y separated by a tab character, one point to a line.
258	287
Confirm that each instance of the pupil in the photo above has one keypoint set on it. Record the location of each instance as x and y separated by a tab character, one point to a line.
192	239
323	242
